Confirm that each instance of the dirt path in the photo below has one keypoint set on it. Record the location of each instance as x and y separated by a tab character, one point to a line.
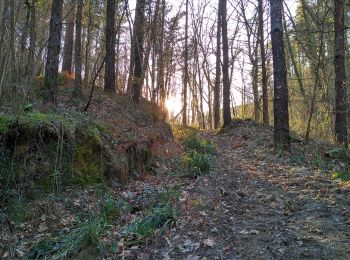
255	205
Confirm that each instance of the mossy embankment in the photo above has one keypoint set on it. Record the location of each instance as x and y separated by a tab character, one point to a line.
43	152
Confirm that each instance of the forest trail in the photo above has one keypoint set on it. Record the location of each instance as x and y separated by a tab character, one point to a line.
253	204
256	205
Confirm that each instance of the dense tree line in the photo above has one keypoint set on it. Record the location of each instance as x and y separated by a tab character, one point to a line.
208	55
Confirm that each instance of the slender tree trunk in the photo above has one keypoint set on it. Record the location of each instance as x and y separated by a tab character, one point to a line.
136	85
225	68
341	131
110	47
32	41
4	19
68	41
87	46
281	116
265	95
160	80
255	87
184	111
217	88
53	53
77	50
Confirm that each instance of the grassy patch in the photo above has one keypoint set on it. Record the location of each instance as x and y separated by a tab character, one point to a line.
110	208
199	156
200	145
182	132
18	211
85	238
158	217
197	163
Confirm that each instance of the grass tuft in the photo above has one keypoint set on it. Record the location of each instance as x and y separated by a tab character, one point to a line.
197	163
159	217
200	145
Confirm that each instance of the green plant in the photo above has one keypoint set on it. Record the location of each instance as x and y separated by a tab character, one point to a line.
182	132
110	208
160	216
197	163
18	210
340	153
5	122
318	160
299	159
199	144
341	175
85	237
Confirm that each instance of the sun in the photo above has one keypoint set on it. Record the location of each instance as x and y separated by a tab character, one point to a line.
173	105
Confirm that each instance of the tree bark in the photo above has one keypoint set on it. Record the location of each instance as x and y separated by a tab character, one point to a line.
109	84
184	111
160	80
281	116
217	88
265	96
68	41
77	49
138	51
341	131
225	67
53	53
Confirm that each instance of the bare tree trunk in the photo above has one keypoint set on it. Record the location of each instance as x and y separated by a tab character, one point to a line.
53	53
218	71
255	88
110	47
32	41
68	41
341	131
136	85
225	67
184	111
87	46
281	115
160	80
77	50
265	95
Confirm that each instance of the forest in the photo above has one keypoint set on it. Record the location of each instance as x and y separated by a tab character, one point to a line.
174	129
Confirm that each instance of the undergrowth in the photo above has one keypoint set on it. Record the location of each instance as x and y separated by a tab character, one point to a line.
86	239
199	156
159	217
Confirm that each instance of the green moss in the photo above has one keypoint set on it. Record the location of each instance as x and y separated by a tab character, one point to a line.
87	168
35	118
5	122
